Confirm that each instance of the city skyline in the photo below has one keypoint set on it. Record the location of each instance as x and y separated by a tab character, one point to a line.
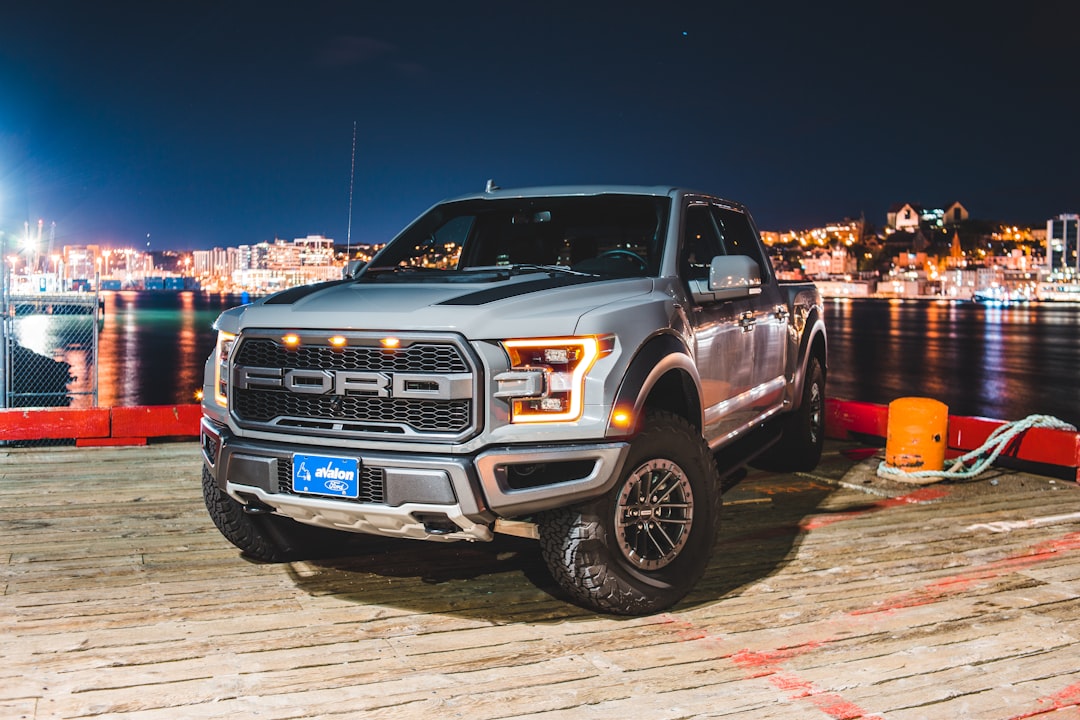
37	234
209	124
833	253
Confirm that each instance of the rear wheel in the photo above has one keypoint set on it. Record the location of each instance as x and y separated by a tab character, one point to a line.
266	537
802	431
643	545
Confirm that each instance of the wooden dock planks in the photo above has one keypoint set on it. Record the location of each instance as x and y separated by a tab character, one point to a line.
831	595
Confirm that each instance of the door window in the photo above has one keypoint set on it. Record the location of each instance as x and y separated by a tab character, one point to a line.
737	236
700	243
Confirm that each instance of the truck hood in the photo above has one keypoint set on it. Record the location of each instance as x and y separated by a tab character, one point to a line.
534	304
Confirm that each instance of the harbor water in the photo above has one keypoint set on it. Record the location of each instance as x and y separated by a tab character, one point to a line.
1004	363
981	360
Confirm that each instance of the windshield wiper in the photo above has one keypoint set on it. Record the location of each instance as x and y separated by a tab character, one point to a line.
519	268
561	269
396	269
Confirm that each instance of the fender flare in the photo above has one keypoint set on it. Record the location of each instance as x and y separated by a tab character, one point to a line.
658	356
813	334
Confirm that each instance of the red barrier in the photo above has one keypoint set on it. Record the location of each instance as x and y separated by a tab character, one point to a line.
843	417
101	426
1045	445
53	423
156	420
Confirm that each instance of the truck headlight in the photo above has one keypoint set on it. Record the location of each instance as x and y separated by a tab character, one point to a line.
546	382
225	342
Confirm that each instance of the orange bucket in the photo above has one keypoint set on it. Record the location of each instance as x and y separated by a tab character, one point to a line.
917	434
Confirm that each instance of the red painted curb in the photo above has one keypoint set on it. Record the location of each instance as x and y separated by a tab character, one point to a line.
101	426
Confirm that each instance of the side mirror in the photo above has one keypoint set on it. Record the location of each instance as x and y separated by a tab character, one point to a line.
730	277
353	267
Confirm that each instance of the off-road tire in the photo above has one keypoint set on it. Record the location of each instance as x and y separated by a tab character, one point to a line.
265	537
802	432
629	569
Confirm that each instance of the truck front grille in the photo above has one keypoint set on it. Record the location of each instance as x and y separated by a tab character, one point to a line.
350	391
267	352
391	414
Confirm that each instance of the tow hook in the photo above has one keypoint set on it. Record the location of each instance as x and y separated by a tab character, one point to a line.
256	507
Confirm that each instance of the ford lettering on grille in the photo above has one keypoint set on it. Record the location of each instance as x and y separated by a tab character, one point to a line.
347	382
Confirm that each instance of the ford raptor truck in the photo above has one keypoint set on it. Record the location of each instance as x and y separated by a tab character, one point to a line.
561	363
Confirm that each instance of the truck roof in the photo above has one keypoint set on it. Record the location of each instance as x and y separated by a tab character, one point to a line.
583	190
569	190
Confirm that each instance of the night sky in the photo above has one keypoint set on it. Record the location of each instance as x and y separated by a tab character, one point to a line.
211	124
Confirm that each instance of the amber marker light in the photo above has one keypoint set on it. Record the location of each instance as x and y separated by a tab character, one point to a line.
390	343
291	340
622	418
337	341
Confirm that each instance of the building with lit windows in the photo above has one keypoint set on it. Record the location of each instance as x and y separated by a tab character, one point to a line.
207	262
1063	245
910	217
269	267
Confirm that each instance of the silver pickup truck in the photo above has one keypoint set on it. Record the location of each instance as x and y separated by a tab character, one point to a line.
561	363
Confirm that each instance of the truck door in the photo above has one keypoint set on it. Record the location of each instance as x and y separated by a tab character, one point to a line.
724	349
769	328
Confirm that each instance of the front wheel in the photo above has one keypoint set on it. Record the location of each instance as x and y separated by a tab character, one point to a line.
643	545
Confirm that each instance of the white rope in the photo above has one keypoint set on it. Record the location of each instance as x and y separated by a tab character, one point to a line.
1000	526
981	457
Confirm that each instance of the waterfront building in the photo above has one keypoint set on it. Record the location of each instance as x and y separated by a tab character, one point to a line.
846	288
200	262
205	263
80	261
1063	245
823	262
959	283
268	267
233	262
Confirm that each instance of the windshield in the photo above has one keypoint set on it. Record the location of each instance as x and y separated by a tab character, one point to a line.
605	235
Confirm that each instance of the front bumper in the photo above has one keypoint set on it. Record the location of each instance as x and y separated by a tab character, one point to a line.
414	495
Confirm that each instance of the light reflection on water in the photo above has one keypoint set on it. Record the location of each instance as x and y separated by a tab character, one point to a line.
153	346
1005	363
37	332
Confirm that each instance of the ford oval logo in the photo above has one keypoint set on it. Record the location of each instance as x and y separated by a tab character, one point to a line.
335	486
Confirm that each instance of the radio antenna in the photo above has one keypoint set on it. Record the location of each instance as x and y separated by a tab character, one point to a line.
352	176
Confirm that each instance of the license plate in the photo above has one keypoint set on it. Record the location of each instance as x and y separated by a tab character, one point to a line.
326	475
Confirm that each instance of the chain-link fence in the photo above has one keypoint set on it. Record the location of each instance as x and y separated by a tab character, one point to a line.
48	343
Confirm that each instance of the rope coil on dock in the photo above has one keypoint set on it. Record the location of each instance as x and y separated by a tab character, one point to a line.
980	458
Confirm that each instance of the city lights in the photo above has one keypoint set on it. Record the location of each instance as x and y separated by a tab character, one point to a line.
940	252
38	263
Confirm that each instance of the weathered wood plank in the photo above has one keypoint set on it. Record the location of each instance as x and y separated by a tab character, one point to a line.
121	600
